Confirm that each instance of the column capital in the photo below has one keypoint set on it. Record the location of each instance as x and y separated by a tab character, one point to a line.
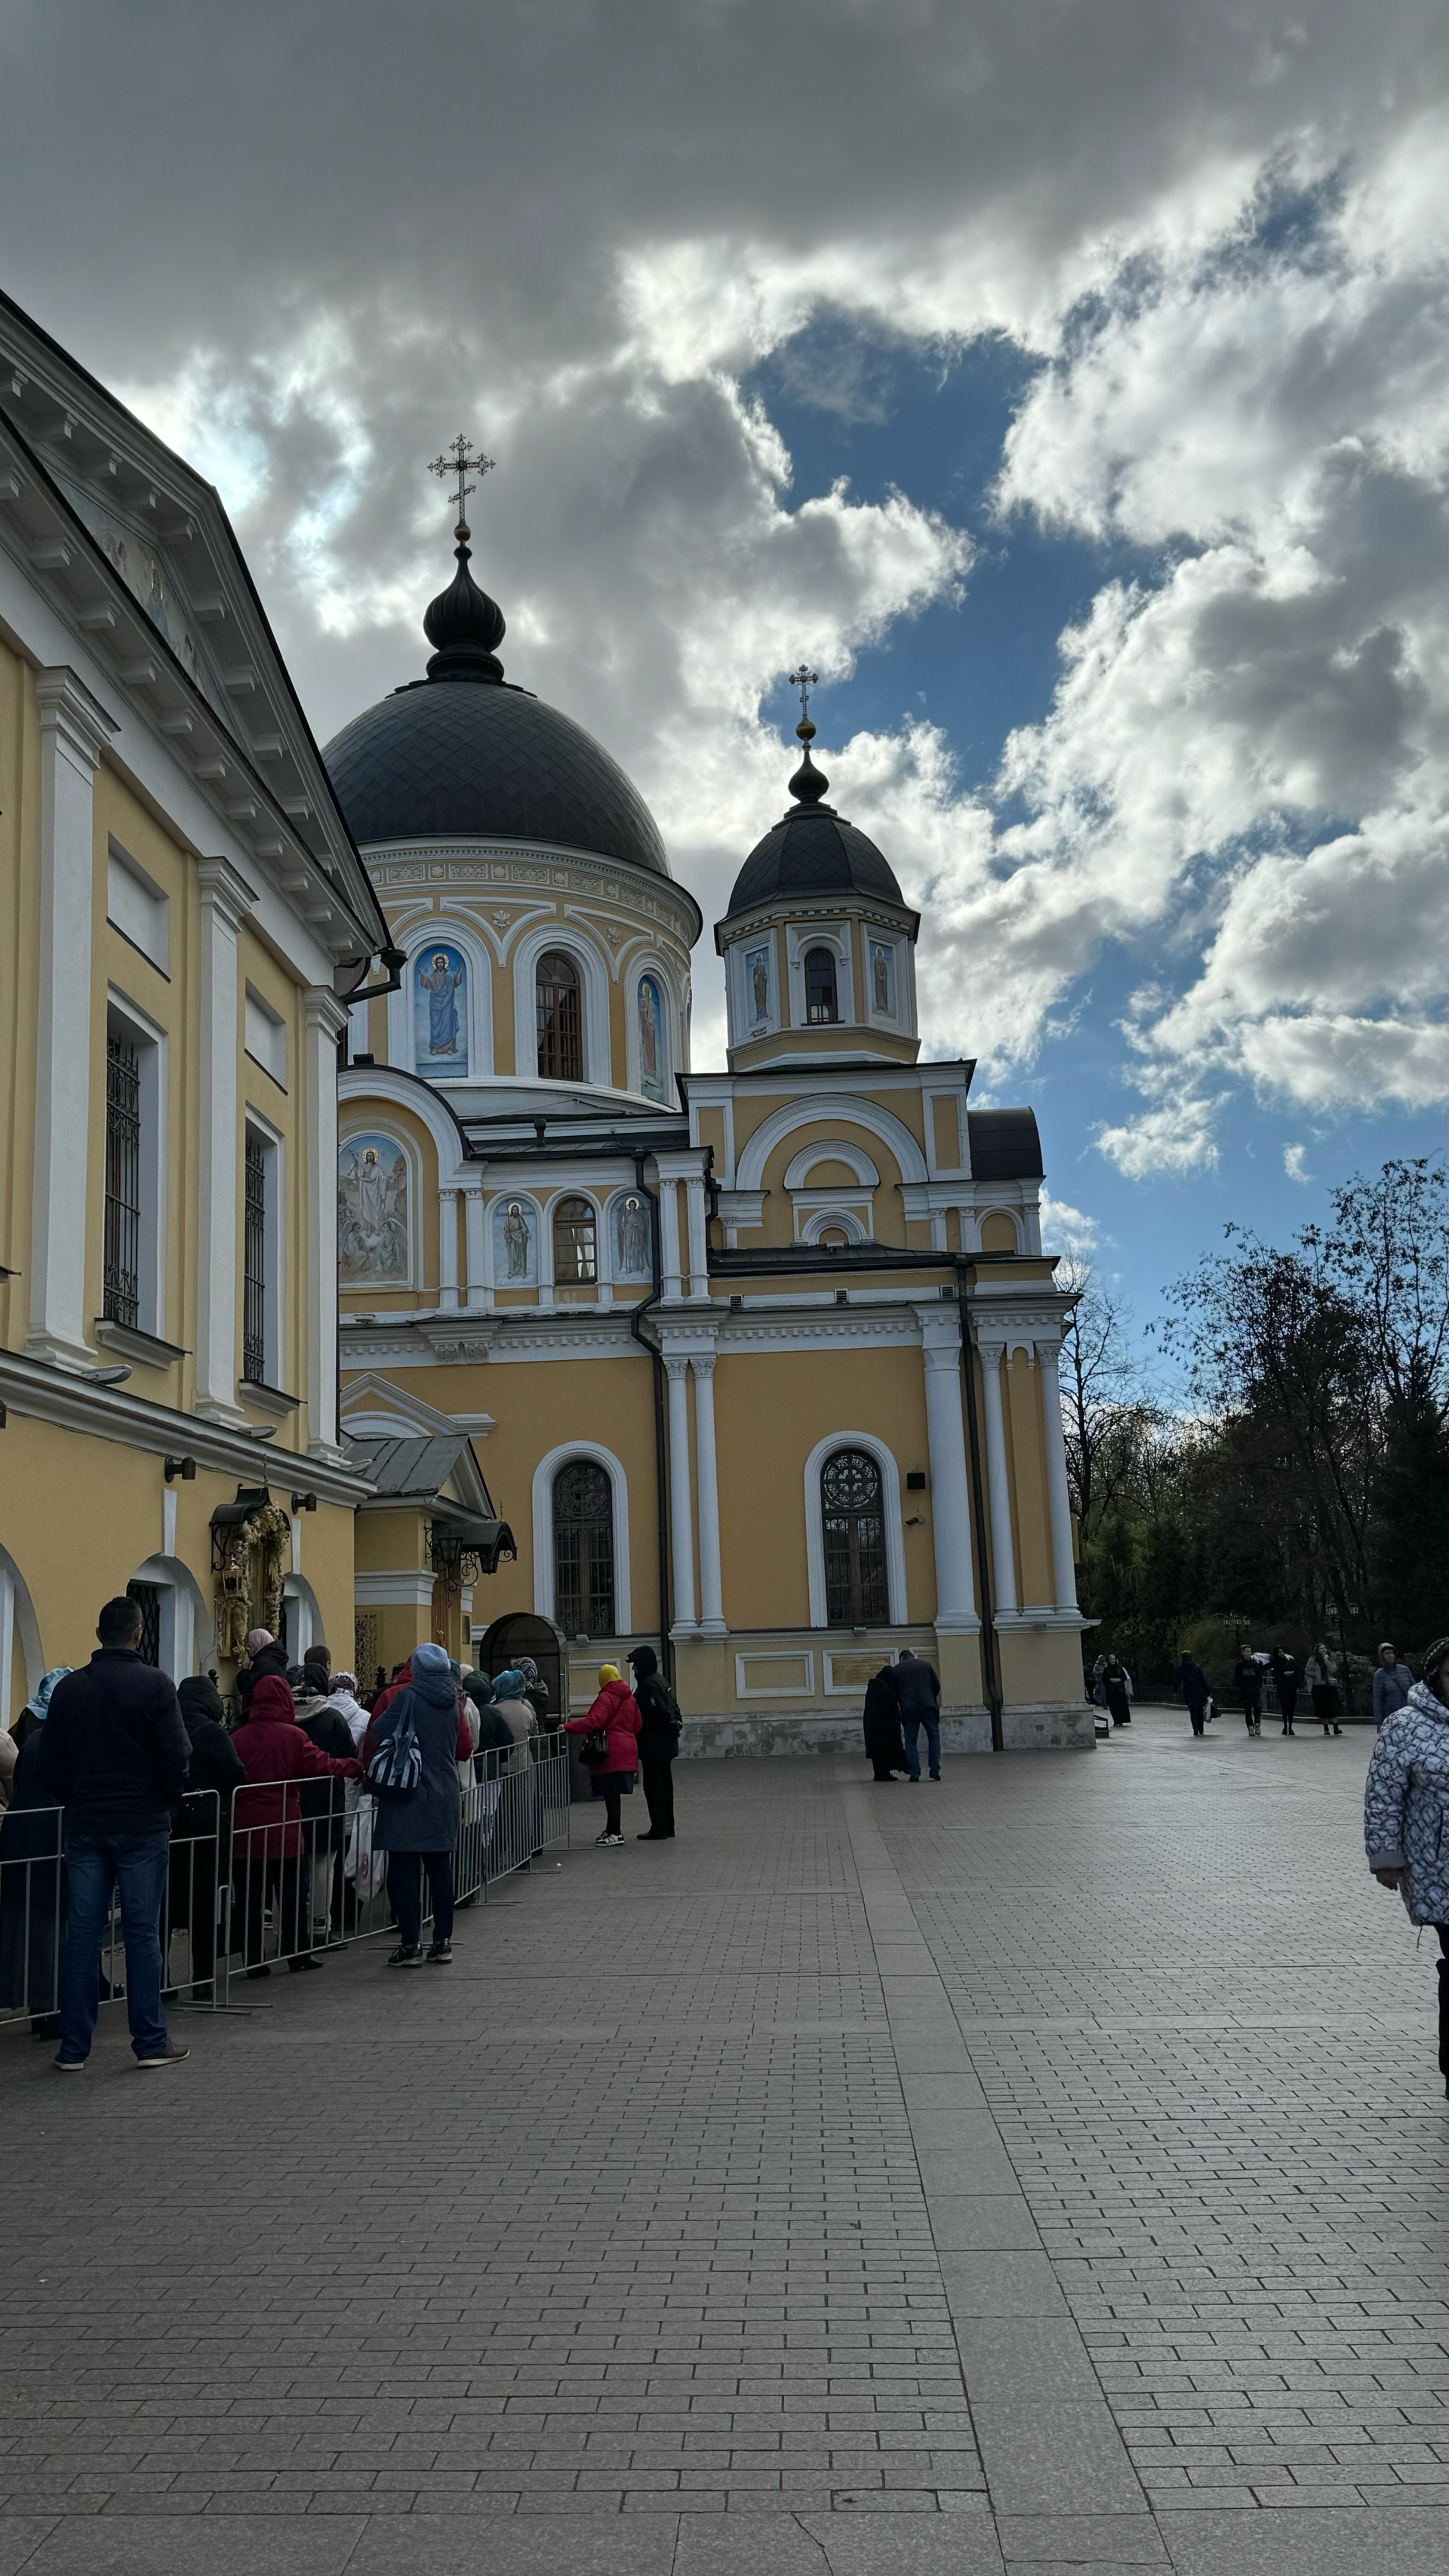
324	1011
67	708
224	891
676	1366
702	1362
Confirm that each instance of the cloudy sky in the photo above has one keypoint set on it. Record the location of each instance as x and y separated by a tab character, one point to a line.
1061	377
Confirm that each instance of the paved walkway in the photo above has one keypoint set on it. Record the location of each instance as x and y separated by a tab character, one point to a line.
1045	2170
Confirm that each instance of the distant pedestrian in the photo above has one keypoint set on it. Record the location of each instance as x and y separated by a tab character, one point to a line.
269	1856
323	1803
419	1828
1321	1674
660	1728
201	1829
32	1716
517	1714
882	1723
1248	1683
1405	1800
1285	1676
1393	1682
114	1751
1117	1686
919	1694
491	1753
1191	1686
535	1691
610	1748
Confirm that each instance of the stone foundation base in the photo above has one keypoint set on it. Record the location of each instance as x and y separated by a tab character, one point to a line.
1045	1726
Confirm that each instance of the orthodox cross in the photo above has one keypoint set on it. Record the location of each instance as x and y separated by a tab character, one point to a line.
804	681
455	464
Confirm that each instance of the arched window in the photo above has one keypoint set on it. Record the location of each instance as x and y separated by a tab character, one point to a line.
820	1003
853	1521
583	1550
575	1244
560	1018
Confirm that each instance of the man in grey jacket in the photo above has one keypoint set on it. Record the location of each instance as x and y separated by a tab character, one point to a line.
1406	1813
919	1693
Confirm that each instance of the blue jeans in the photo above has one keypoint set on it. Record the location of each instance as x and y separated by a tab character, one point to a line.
909	1730
94	1866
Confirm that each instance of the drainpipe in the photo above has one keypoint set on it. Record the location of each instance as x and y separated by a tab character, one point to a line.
966	1272
661	1474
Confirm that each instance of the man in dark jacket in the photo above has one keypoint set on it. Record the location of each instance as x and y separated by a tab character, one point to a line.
114	1751
920	1701
264	1656
659	1732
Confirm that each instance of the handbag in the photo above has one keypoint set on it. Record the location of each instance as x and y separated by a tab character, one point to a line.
396	1768
594	1747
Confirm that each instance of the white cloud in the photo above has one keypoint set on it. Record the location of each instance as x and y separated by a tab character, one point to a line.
1293	1163
1067	1229
572	230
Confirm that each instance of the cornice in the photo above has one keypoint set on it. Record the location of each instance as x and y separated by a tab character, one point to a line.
74	1403
534	867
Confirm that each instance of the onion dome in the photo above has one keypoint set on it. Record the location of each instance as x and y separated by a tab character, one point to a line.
812	850
466	755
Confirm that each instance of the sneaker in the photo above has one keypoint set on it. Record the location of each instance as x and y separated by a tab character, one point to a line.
406	1955
171	2055
613	1842
67	2065
601	1839
936	1776
441	1954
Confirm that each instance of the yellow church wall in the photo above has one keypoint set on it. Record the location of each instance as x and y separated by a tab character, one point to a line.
998	1234
712	1134
79	1515
946	1131
770	1412
1029	1494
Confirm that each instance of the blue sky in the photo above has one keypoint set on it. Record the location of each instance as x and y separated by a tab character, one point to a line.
886	415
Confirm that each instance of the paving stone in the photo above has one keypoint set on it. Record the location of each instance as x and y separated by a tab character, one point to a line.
1081	2540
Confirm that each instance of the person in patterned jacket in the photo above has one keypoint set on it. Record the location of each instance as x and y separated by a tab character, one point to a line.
1406	1813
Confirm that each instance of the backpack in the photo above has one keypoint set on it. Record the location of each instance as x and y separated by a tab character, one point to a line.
396	1768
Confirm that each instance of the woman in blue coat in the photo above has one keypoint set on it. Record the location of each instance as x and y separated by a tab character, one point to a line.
419	1830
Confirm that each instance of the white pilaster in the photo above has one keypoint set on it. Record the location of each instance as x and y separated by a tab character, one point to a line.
950	1500
225	899
1064	1573
326	1020
673	1285
475	1240
73	732
711	1599
681	1518
694	1210
447	1248
997	1481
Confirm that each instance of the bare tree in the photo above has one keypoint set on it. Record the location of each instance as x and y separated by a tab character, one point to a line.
1105	1416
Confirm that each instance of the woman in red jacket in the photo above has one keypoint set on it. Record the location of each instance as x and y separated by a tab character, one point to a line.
266	1825
615	1715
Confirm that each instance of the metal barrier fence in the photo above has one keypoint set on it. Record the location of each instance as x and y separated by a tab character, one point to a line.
295	1872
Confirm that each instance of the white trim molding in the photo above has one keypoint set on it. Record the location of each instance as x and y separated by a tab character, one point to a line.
815	1523
404	1589
803	1111
594	980
543	1480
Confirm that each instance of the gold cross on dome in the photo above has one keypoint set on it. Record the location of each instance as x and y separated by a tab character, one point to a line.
804	681
456	464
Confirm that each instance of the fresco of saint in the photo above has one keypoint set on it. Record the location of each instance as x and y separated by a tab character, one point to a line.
757	975
372	1211
631	1239
439	1012
651	1028
516	1262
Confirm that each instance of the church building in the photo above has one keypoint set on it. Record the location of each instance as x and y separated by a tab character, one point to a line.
759	1361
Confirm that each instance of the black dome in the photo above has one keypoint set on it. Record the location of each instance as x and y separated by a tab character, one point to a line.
463	755
813	851
474	760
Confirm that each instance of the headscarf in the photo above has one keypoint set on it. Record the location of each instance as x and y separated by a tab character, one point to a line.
609	1673
342	1682
40	1705
479	1689
256	1638
508	1685
528	1669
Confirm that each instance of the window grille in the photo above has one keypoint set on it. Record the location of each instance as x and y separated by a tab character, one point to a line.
147	1597
254	1263
583	1550
121	1255
820	1000
853	1517
575	1244
560	1018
